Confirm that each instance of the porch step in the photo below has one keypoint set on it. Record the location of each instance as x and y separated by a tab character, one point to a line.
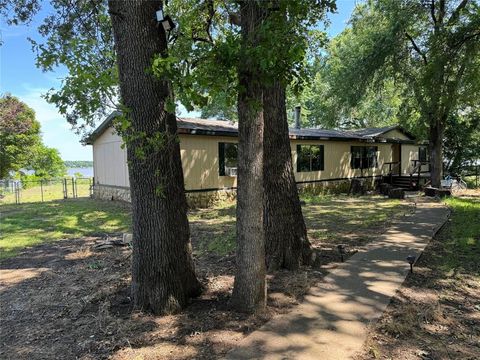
399	181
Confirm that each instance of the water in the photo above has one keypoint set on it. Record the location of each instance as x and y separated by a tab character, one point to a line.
86	172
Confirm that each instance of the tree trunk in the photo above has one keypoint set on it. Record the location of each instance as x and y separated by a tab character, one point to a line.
249	292
437	129
163	276
286	242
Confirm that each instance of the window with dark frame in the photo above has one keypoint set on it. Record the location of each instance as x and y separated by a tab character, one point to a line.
422	154
364	157
310	158
227	159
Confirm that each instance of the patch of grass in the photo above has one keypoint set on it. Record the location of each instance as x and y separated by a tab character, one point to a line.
52	190
34	223
461	238
330	219
472	182
350	214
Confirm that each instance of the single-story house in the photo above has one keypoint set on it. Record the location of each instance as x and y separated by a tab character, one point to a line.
209	156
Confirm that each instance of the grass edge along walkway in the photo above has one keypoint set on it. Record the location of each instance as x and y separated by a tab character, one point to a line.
332	321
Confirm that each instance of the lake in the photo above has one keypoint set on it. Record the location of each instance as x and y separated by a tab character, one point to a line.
86	172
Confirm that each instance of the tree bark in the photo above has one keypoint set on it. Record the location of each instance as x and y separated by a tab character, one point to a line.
286	241
249	292
163	276
437	129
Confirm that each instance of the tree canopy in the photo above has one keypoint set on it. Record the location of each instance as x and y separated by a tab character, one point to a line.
19	132
21	144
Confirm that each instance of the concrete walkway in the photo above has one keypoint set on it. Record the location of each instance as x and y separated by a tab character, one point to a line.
332	321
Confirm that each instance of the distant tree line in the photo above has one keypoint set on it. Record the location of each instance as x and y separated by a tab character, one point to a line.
78	163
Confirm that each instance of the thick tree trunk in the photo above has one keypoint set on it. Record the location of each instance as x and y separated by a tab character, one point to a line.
286	242
163	276
437	129
249	292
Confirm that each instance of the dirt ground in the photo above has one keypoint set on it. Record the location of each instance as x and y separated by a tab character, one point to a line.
436	313
67	300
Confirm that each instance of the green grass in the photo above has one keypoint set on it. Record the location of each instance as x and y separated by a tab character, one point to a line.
329	219
472	182
461	237
34	223
52	190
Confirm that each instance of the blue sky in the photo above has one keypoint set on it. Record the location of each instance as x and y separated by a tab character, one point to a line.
20	77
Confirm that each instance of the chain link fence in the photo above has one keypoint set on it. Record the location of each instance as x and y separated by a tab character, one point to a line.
18	192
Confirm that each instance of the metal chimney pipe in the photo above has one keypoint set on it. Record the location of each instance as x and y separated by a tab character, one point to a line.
298	110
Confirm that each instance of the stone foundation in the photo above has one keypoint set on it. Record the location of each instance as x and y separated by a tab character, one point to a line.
107	192
334	186
198	199
205	199
209	198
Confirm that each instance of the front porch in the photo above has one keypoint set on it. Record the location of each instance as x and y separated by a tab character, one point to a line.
416	177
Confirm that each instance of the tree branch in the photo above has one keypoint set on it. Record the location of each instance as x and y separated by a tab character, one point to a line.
432	12
417	49
441	11
201	39
465	39
456	12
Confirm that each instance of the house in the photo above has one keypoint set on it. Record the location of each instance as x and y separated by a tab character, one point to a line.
209	157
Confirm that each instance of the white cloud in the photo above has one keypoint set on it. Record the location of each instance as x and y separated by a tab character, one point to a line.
56	130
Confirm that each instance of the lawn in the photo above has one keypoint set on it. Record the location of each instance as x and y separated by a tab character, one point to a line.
49	190
35	223
329	219
69	299
436	314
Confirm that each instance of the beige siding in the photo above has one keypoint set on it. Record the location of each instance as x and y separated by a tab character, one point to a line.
337	160
200	161
409	153
394	134
110	160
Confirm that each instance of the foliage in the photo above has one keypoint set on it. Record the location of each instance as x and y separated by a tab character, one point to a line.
205	50
78	163
462	140
46	162
21	145
79	37
19	133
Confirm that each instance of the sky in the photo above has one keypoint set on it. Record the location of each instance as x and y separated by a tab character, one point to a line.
20	77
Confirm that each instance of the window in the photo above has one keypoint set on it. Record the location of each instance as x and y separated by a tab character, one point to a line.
309	158
422	154
364	157
227	155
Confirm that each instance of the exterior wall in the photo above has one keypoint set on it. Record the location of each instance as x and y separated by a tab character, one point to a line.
337	160
394	134
199	161
110	160
409	153
200	164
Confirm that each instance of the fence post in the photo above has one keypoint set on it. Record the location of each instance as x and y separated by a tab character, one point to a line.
17	193
65	188
41	187
73	188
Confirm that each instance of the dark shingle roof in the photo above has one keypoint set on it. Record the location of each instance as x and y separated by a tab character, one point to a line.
226	128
